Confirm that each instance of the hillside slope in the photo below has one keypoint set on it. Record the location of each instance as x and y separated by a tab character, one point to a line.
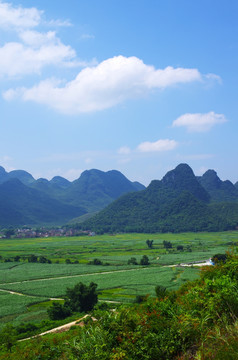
21	205
176	203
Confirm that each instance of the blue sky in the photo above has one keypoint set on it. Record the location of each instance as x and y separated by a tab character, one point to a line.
134	85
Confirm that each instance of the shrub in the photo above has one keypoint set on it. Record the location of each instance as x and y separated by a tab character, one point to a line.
132	261
145	260
81	297
58	311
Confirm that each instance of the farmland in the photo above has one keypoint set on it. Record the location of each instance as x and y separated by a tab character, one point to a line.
26	288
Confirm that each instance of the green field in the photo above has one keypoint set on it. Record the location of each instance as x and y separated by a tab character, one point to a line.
117	281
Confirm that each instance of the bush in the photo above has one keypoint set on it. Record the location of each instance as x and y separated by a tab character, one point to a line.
58	311
32	259
167	244
145	260
95	262
132	261
81	297
160	291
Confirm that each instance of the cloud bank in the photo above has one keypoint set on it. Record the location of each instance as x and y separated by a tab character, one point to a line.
199	122
111	82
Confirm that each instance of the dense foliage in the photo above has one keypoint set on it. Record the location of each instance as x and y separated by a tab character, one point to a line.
177	203
199	321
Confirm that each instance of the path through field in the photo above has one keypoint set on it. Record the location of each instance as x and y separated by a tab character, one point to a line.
73	276
61	328
202	263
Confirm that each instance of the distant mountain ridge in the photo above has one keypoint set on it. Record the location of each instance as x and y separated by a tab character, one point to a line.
24	200
178	202
217	189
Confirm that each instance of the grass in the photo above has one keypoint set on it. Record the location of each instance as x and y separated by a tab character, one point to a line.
118	281
12	304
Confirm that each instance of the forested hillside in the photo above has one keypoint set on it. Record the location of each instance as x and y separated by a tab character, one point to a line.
177	203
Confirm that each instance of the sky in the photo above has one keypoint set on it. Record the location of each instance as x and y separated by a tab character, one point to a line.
138	86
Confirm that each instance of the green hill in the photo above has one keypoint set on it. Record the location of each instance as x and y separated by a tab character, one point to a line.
218	190
176	203
96	189
24	200
20	205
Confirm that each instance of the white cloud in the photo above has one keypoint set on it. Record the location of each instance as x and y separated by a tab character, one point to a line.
109	83
214	77
199	122
36	39
124	150
33	50
36	51
18	17
15	18
160	145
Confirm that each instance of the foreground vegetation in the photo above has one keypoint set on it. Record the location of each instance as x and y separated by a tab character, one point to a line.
36	272
198	321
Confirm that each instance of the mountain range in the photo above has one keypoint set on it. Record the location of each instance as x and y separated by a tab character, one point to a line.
26	201
179	202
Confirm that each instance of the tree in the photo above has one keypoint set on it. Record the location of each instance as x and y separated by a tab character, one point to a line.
167	244
149	243
32	259
43	260
81	297
95	262
180	247
145	260
132	261
17	258
58	311
219	257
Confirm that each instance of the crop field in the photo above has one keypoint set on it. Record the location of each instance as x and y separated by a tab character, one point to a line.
24	284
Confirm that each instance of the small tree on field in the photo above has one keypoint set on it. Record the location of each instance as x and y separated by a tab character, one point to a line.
180	247
167	244
95	262
149	243
58	311
132	261
145	260
81	297
32	259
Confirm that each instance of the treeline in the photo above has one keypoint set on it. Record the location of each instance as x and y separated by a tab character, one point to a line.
31	259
